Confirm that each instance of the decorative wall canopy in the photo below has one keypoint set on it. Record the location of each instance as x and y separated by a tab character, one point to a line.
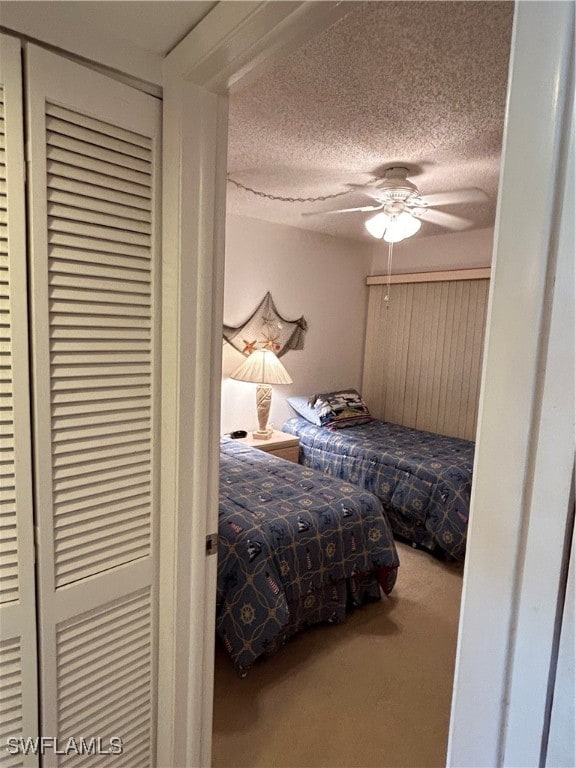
267	329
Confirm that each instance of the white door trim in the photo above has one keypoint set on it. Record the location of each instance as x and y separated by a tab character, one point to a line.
237	41
194	158
547	529
18	621
234	42
515	556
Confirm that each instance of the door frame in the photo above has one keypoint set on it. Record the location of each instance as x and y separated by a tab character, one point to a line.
516	564
233	44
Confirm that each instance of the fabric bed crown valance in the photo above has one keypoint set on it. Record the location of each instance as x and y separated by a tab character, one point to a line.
267	329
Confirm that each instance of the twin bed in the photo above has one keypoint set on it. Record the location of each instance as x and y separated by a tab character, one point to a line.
300	544
422	479
295	548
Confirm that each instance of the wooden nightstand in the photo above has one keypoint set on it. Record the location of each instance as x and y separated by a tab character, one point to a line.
280	444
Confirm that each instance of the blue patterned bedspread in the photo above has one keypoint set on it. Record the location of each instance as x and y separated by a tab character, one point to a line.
290	540
423	479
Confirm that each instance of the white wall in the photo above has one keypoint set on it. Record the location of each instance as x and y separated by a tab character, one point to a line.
77	29
310	274
456	250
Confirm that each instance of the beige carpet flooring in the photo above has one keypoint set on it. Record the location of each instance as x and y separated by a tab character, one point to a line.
372	692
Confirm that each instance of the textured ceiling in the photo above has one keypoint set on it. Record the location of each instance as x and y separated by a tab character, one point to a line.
421	84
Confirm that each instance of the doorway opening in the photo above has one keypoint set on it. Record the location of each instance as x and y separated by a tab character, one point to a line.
310	273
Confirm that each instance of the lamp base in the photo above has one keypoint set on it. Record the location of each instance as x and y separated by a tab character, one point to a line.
263	434
263	400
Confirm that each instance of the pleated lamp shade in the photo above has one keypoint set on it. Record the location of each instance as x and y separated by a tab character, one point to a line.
262	367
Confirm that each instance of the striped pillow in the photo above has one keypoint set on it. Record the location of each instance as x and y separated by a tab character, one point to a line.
344	408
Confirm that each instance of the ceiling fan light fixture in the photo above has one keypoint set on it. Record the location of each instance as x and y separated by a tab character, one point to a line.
392	229
377	225
402	226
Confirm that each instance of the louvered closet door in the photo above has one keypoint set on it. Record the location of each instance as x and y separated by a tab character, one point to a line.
94	147
18	684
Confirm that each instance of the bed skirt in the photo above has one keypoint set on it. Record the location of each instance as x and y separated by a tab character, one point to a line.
330	604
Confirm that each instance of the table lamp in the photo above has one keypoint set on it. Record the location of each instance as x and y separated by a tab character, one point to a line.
262	367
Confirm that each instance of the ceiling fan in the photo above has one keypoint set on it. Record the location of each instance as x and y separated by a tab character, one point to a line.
399	207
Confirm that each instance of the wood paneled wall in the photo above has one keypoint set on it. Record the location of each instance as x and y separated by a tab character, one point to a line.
423	353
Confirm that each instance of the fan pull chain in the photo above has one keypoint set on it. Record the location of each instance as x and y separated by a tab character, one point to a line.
387	297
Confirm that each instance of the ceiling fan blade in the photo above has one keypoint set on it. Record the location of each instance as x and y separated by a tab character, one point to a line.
441	218
363	208
471	195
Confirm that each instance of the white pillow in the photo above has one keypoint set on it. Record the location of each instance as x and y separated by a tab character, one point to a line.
303	408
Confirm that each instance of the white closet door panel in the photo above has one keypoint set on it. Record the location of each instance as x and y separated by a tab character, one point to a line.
105	393
104	180
117	248
99	194
77	162
93	161
18	689
97	131
62	140
98	206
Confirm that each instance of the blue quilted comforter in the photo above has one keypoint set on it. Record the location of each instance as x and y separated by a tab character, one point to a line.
423	479
295	547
